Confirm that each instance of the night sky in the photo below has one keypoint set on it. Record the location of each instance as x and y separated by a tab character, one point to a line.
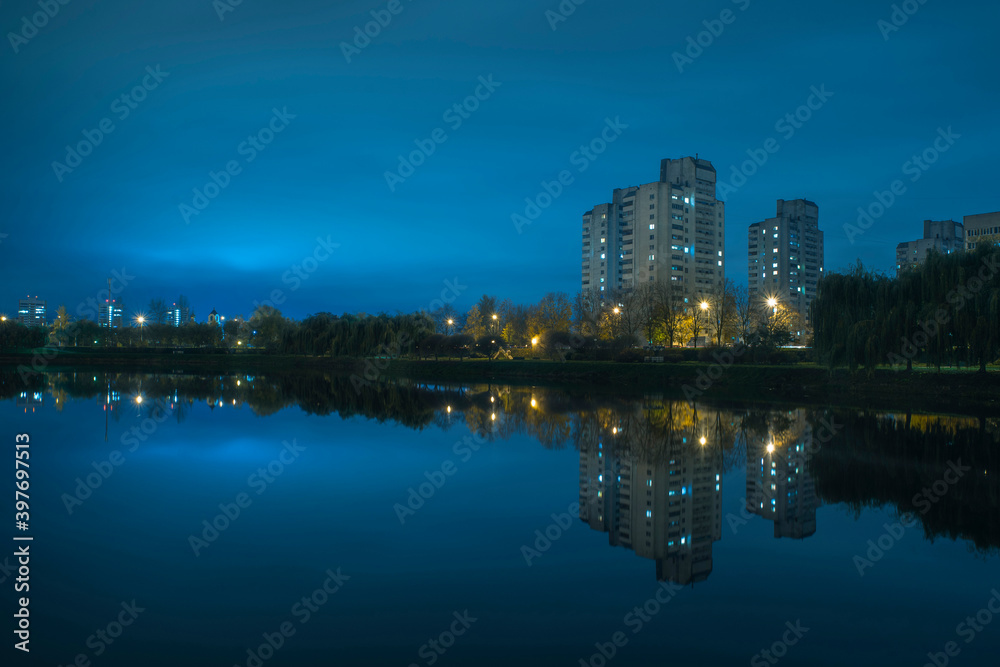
322	176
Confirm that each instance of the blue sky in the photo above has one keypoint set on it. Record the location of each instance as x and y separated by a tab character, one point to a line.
323	175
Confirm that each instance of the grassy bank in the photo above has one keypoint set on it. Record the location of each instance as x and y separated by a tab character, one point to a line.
925	390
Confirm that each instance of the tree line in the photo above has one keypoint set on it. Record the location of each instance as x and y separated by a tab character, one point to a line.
943	311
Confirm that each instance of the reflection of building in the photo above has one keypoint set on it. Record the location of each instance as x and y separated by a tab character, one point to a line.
31	312
110	314
944	236
779	486
30	399
662	500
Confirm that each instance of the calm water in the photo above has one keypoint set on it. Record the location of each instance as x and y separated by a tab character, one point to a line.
490	525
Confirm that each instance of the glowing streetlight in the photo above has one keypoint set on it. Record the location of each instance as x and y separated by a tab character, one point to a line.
140	320
3	318
534	341
703	441
450	323
138	399
772	302
616	311
704	305
770	448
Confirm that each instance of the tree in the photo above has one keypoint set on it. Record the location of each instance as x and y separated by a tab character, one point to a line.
587	312
746	314
270	326
722	310
158	312
669	305
474	324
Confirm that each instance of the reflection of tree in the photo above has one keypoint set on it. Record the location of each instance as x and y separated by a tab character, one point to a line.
879	460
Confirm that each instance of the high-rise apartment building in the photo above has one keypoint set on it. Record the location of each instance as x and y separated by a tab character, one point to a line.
110	314
785	255
978	226
669	231
31	312
944	236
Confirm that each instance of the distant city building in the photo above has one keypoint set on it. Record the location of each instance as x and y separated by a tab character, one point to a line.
110	314
669	231
174	316
779	486
31	312
944	236
980	225
786	256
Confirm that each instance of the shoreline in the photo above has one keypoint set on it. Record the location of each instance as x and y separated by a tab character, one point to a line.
966	391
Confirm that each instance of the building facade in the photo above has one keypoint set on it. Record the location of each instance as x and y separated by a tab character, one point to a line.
31	312
656	493
672	231
979	226
110	314
944	236
786	256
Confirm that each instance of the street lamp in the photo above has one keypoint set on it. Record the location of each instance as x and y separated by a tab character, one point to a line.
450	322
141	321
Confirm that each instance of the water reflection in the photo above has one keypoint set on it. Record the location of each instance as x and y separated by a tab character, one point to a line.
650	469
780	487
651	478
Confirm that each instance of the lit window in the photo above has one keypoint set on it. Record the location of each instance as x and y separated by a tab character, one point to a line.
649	514
652	226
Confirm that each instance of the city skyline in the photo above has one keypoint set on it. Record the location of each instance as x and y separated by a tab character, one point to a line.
325	125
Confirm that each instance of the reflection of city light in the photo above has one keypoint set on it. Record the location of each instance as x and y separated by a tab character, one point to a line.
703	441
770	448
449	409
234	401
493	416
138	399
492	399
534	403
237	383
614	431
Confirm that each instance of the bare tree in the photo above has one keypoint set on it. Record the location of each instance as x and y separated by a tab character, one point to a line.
722	311
746	312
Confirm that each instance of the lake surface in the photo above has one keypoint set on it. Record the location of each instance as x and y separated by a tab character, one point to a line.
308	520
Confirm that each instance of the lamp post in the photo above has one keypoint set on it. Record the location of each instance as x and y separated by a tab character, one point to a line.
141	321
496	323
450	322
703	308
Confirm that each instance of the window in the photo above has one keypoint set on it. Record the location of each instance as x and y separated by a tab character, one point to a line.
652	258
652	226
649	514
